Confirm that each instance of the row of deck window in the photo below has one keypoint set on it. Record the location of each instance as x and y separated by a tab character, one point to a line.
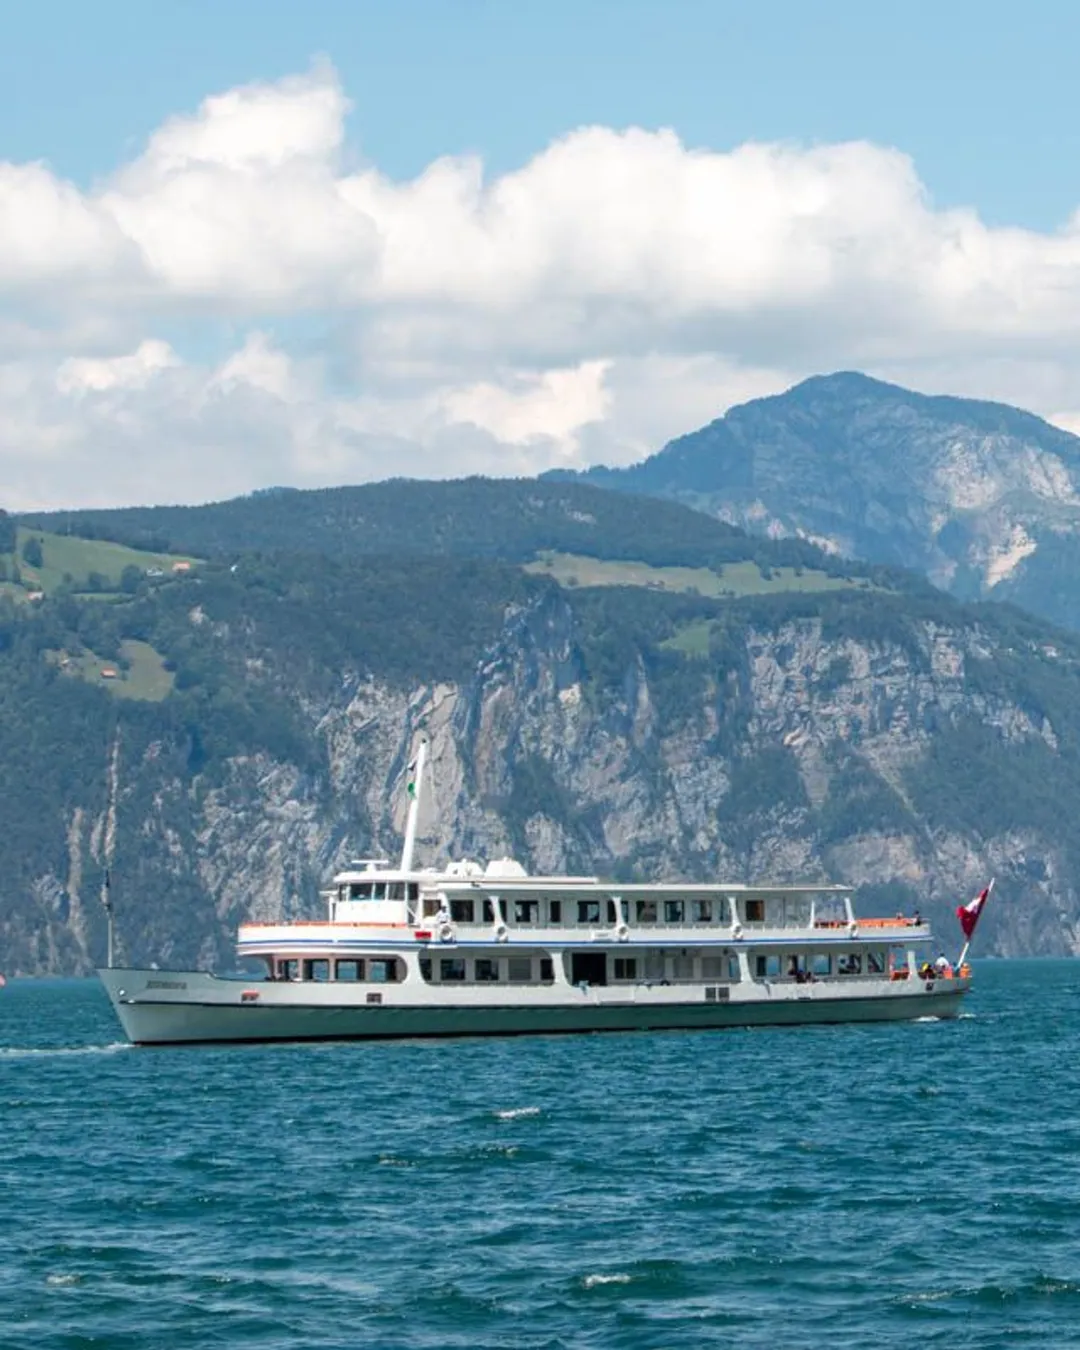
553	912
821	965
594	967
351	970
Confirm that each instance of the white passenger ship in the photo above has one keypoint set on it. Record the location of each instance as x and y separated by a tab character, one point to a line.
480	951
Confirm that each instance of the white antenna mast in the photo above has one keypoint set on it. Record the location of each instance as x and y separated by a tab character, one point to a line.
415	786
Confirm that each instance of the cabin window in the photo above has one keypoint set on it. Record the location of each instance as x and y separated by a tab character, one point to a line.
626	967
683	968
414	890
646	911
425	968
352	971
526	911
654	965
588	911
703	911
674	911
547	969
289	969
452	969
360	890
384	972
519	969
755	911
487	911
849	965
875	963
317	969
712	967
461	911
555	911
821	964
767	967
733	967
486	970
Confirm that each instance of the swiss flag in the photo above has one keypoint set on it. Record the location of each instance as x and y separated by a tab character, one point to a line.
969	914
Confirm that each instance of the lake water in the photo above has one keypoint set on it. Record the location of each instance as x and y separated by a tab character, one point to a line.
901	1185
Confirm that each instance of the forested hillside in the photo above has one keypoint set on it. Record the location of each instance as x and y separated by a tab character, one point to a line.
509	520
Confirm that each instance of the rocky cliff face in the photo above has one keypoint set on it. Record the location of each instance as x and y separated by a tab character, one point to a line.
803	754
981	497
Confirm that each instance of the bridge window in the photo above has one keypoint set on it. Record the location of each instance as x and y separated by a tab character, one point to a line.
703	911
487	911
360	890
395	890
588	911
462	911
414	890
526	911
674	911
755	911
352	971
646	911
555	911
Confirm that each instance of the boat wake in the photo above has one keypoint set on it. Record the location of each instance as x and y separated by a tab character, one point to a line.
49	1051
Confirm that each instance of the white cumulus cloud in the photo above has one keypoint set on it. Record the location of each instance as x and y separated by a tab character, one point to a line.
248	302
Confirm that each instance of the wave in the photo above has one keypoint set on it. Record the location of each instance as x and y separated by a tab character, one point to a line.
49	1051
517	1113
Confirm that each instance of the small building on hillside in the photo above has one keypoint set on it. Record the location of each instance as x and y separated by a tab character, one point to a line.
181	566
109	673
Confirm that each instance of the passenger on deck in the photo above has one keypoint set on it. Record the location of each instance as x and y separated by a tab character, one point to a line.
942	967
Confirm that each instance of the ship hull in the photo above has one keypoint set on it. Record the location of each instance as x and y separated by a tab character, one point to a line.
173	1008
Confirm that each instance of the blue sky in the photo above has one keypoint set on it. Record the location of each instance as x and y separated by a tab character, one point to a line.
982	95
256	242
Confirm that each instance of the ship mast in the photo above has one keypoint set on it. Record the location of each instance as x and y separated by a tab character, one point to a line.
415	785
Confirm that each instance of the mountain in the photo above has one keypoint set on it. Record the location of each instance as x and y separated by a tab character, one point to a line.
222	736
980	497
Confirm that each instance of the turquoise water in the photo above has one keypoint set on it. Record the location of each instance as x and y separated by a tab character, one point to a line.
908	1185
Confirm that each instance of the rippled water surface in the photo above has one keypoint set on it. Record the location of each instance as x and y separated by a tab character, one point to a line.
841	1186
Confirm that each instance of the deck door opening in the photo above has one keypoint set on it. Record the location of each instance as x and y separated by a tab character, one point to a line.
588	968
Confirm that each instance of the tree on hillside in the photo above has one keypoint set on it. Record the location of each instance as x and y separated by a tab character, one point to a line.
131	579
7	533
32	552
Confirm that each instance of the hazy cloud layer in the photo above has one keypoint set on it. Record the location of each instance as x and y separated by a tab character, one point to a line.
249	303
